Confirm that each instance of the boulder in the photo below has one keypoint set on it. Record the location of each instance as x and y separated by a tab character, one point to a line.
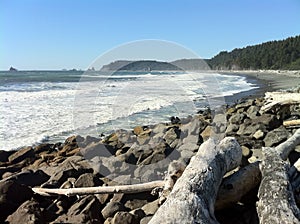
145	220
172	134
4	155
276	137
30	212
22	154
45	147
97	149
237	118
85	210
12	195
245	105
151	207
135	203
124	218
250	129
70	167
270	121
231	129
88	180
112	208
29	178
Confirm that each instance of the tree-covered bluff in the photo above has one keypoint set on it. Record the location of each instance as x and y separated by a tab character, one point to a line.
282	54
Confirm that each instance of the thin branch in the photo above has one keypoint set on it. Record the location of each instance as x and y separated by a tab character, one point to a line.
127	189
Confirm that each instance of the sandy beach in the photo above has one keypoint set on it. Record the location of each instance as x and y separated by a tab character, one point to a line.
273	79
266	80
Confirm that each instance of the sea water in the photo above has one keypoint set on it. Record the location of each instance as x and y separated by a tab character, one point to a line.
48	106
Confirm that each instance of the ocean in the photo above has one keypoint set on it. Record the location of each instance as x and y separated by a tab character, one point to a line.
48	106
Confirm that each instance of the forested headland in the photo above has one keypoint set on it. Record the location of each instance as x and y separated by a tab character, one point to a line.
282	54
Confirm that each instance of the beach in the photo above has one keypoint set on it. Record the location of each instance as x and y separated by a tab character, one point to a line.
140	155
266	80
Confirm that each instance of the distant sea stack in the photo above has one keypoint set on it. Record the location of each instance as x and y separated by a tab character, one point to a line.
12	69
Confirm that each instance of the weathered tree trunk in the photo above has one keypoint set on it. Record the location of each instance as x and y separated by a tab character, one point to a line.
276	200
193	197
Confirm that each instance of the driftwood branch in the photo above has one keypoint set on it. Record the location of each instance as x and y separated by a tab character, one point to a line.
276	199
292	123
126	189
286	147
193	196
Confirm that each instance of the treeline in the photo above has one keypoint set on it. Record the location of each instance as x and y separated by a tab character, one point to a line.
283	54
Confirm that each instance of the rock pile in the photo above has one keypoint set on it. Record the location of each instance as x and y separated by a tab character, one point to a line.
128	157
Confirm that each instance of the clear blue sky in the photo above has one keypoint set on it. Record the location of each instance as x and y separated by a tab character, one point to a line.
56	34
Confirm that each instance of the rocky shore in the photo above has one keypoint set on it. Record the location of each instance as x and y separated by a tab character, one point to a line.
129	157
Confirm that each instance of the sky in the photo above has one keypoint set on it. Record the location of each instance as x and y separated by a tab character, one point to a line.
57	34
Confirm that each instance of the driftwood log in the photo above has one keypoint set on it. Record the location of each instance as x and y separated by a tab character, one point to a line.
275	100
193	197
276	203
198	191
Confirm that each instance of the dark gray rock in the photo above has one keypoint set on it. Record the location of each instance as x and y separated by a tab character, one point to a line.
245	105
231	129
270	121
191	147
30	212
97	149
4	155
22	154
71	167
88	180
12	195
44	148
112	208
29	178
85	210
124	218
250	129
237	118
276	137
135	203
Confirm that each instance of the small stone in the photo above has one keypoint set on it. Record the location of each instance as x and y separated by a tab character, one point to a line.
258	134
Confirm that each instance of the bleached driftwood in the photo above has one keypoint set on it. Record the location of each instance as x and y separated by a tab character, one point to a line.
193	197
276	199
126	189
291	123
235	186
286	147
278	99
